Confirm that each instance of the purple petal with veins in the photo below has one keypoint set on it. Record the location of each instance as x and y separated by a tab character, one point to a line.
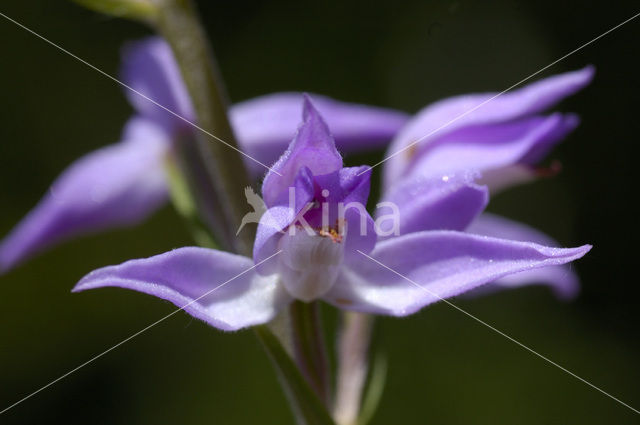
458	126
407	273
562	280
217	287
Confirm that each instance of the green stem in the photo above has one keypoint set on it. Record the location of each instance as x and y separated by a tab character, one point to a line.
307	408
220	160
309	347
184	203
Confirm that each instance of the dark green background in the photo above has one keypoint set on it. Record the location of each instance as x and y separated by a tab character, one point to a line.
444	367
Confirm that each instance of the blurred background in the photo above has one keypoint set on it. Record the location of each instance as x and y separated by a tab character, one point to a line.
444	368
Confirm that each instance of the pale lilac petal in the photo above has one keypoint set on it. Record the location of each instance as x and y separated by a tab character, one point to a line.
450	115
501	178
561	279
217	287
142	130
265	125
439	264
114	186
313	147
277	218
490	147
149	68
449	202
309	263
346	187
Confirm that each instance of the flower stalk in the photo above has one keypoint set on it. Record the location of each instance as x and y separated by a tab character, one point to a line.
309	347
177	22
353	366
305	404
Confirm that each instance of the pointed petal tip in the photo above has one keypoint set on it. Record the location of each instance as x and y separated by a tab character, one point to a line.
563	255
579	78
306	97
308	108
588	71
584	249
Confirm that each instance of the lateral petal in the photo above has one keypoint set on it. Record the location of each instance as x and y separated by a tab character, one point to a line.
450	202
407	273
117	185
149	68
220	288
486	147
562	280
476	110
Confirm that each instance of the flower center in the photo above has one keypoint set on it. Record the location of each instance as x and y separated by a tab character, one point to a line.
309	263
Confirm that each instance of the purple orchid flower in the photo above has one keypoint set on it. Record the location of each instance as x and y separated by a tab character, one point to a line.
302	253
496	140
486	132
124	183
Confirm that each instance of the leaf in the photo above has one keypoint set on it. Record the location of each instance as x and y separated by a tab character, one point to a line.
307	407
134	9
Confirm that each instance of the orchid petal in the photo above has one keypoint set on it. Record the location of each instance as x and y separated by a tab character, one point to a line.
493	146
150	69
561	279
501	178
265	125
276	220
347	192
451	115
313	147
217	287
449	202
430	266
117	185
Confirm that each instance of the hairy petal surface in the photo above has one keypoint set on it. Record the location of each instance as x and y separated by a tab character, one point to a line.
440	264
217	287
265	125
562	280
117	185
451	115
313	147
